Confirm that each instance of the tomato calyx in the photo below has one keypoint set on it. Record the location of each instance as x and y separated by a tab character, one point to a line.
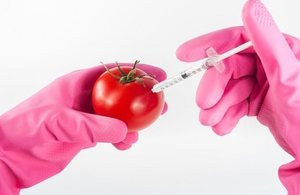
127	77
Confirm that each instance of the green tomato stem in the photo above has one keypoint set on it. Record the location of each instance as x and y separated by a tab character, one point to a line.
130	77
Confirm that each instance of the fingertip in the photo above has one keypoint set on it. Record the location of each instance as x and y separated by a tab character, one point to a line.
262	29
111	130
122	146
231	118
165	109
158	73
270	44
191	50
226	125
221	131
211	88
131	138
128	141
209	117
182	53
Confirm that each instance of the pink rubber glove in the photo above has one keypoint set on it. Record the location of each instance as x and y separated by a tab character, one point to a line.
263	81
39	137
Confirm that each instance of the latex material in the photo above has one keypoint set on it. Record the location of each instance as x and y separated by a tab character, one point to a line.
217	65
40	136
262	82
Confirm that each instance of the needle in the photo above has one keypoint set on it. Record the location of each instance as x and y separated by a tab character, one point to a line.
204	64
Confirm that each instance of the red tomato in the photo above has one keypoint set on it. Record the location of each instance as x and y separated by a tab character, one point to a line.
132	102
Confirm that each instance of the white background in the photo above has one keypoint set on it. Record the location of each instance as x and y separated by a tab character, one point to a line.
41	40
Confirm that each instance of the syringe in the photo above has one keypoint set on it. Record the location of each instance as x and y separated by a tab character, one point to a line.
204	64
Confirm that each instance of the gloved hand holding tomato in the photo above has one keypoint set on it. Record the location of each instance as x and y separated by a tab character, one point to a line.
40	136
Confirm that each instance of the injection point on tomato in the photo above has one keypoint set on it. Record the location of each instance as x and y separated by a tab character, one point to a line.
125	93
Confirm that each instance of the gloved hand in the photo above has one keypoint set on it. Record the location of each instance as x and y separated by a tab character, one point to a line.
262	81
39	137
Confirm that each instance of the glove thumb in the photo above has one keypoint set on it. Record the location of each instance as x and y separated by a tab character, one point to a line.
278	59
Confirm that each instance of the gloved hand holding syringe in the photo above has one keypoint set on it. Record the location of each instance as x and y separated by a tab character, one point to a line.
205	63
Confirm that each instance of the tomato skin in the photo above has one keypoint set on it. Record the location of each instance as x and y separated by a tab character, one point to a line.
134	102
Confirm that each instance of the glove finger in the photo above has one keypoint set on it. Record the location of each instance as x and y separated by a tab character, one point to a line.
122	146
213	83
231	118
69	125
279	61
158	73
165	109
127	143
131	138
235	92
221	40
